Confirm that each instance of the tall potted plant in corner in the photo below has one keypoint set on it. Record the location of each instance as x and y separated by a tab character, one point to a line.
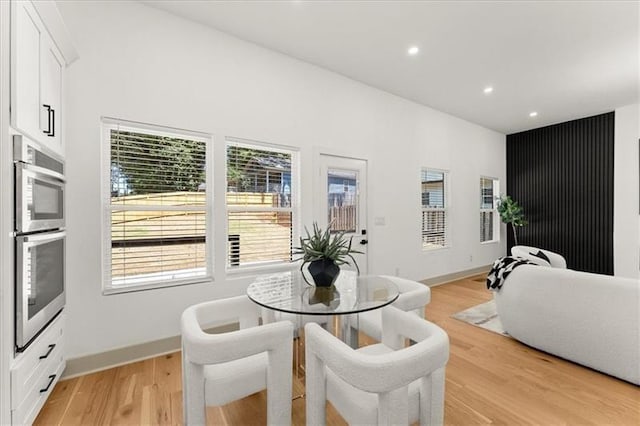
325	253
512	214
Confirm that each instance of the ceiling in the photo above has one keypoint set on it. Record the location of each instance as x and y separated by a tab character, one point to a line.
564	60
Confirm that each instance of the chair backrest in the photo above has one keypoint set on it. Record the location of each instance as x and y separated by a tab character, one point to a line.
387	375
200	349
413	295
555	260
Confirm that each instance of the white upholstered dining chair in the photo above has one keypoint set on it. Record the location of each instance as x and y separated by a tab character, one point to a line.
220	368
414	296
385	383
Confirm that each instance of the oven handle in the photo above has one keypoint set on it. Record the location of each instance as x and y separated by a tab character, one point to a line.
43	174
46	236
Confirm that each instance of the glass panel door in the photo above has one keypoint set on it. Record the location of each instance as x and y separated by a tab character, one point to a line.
342	201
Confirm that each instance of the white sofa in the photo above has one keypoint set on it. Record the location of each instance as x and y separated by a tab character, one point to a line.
586	318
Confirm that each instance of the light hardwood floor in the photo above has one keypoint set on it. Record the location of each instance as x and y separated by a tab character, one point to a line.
489	379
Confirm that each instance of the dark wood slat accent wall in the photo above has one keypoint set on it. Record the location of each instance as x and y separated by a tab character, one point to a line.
563	177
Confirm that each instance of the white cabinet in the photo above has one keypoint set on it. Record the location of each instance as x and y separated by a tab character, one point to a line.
51	93
36	78
36	371
25	69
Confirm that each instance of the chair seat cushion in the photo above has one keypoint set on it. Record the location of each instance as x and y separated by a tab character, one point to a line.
359	407
370	323
236	379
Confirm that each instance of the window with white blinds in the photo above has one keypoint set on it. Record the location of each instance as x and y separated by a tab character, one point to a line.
435	214
156	215
261	207
489	220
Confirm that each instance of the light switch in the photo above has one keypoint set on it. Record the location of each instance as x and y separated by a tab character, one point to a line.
379	221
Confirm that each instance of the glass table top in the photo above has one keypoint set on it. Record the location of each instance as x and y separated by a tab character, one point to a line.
288	292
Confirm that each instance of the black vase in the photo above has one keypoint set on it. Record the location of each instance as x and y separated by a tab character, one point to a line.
324	272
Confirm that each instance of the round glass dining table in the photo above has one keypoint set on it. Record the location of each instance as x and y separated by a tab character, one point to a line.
288	292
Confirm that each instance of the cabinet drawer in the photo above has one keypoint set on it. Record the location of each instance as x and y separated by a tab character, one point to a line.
29	408
42	356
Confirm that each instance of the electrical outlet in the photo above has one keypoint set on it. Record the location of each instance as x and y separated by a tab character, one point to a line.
397	272
470	258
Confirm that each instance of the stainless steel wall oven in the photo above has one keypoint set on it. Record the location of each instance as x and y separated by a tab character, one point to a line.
39	196
39	239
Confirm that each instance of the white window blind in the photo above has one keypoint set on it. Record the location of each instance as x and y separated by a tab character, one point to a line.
261	194
434	209
489	221
155	207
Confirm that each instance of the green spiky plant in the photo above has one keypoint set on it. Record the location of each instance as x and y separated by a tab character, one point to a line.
511	213
322	245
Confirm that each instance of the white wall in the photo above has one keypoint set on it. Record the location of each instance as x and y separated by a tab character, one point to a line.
141	64
626	228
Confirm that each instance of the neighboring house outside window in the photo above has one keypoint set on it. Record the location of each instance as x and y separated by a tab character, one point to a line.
156	213
261	204
435	215
489	218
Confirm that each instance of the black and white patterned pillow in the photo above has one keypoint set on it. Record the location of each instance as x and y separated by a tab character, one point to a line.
541	255
540	258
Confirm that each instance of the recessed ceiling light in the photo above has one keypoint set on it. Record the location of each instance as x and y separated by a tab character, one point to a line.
533	114
488	90
413	50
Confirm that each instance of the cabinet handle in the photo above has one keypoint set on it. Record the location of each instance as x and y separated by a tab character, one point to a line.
48	107
53	123
51	379
48	352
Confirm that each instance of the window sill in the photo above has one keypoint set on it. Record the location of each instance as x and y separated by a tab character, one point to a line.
242	271
435	249
155	285
489	242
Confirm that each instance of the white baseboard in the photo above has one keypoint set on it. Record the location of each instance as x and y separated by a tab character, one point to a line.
113	358
447	278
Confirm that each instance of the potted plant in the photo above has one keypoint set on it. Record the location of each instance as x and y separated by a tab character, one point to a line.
325	253
511	213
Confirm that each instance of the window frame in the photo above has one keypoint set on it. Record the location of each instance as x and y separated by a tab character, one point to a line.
496	217
446	209
109	123
295	184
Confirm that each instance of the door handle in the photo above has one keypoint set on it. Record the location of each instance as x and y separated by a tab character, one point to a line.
364	241
48	131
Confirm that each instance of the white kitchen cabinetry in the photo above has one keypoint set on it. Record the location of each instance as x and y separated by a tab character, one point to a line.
39	50
35	372
51	89
37	72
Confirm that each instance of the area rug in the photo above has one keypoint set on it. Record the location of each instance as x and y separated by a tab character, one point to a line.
483	316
